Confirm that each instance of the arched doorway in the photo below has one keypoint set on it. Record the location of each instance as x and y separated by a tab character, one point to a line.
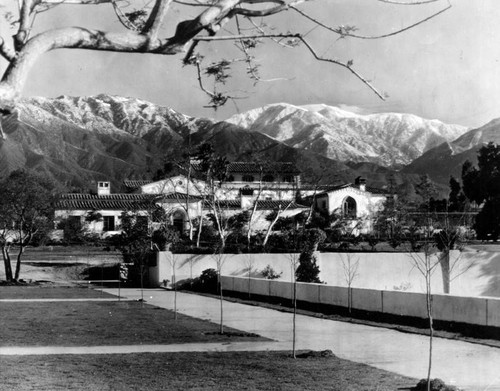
349	208
178	219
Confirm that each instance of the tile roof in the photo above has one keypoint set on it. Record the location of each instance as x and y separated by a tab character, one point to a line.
132	184
74	201
327	189
261	205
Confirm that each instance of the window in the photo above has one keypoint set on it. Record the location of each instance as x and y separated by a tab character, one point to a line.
230	178
108	223
349	208
288	178
178	221
247	178
246	191
268	178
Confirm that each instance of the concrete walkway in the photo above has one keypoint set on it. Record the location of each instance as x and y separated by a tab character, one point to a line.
471	366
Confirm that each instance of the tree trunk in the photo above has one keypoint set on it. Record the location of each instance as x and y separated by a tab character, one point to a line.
18	262
6	262
200	226
444	261
221	305
431	326
294	325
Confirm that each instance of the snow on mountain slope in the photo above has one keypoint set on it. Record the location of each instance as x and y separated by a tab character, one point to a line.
388	139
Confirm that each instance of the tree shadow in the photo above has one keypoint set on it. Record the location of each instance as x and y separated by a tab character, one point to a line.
490	268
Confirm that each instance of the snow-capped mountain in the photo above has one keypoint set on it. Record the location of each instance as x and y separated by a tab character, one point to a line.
447	159
388	139
78	140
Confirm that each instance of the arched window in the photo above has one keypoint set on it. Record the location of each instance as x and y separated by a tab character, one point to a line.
268	178
349	208
247	178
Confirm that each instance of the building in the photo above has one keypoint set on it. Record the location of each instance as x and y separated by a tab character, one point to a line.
353	201
249	186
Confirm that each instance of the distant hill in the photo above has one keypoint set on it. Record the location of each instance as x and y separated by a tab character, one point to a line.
449	157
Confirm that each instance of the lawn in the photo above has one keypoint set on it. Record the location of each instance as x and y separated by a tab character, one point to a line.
81	323
51	292
194	371
87	323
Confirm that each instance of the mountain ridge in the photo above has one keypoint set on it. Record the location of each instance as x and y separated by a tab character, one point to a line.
80	140
388	139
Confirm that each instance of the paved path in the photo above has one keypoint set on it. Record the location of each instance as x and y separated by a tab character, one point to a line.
474	367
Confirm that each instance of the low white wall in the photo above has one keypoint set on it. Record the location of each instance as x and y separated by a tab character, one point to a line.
471	310
475	273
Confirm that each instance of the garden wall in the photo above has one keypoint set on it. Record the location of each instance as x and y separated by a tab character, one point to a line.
471	310
475	274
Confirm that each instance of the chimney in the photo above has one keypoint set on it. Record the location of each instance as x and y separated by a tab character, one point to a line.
103	188
361	183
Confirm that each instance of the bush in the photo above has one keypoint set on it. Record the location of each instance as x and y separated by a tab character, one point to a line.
269	273
207	282
308	270
436	385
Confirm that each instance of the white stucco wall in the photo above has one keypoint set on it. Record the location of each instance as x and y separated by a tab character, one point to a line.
377	271
366	203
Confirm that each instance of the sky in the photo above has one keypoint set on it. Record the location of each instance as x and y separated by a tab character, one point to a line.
446	69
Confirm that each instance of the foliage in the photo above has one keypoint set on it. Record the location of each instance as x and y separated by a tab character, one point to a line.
435	385
457	199
269	273
207	282
26	211
482	186
164	237
308	270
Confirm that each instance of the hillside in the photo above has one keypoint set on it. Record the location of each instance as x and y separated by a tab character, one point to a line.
80	140
387	139
448	158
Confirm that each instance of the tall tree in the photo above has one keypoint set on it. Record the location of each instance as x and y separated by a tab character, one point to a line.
26	209
202	21
482	186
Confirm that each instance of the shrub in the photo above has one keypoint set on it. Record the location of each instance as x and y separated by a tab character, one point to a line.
269	273
436	385
308	270
207	282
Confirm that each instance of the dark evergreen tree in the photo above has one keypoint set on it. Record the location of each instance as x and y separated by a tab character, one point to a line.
457	200
482	186
308	269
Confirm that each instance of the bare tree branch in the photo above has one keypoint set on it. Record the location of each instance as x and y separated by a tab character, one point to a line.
347	65
156	18
76	2
6	52
346	32
405	3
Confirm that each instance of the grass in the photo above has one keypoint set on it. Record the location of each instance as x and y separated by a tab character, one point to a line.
77	323
80	323
50	292
194	371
